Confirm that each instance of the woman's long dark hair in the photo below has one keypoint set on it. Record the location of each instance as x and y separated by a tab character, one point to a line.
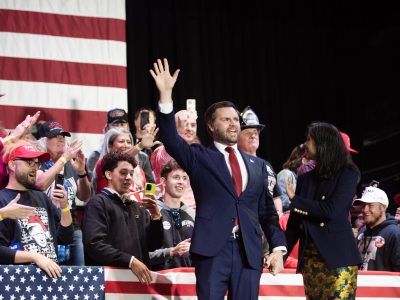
332	154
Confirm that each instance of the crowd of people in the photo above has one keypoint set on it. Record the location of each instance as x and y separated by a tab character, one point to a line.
221	209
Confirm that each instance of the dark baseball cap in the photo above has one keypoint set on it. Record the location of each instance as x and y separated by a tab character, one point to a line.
117	115
51	129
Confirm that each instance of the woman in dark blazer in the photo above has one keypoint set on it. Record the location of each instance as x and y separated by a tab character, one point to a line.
328	254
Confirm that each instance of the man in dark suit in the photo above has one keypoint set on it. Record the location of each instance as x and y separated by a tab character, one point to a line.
231	200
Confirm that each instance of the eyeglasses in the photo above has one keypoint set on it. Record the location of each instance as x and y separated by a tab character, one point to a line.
30	162
176	215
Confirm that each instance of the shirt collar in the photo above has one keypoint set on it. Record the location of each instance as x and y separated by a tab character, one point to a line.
221	147
114	192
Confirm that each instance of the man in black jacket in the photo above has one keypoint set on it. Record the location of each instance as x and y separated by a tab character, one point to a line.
379	239
119	232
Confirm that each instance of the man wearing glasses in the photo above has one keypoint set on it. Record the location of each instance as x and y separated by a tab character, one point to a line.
19	244
178	220
232	208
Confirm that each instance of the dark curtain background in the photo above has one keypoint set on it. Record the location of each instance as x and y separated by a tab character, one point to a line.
292	62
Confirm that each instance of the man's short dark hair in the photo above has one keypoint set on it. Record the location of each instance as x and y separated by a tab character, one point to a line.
111	160
170	166
209	115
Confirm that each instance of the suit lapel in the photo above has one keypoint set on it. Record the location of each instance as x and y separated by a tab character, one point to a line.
249	163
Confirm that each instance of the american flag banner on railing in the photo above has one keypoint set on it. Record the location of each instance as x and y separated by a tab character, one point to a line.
28	282
181	284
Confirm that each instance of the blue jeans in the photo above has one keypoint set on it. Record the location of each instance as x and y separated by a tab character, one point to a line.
76	257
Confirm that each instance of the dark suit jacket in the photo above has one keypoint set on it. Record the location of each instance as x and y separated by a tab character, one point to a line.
217	204
320	211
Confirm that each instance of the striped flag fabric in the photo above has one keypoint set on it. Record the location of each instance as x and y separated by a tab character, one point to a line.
65	58
180	283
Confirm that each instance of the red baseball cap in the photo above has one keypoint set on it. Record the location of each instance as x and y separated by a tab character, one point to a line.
27	151
346	140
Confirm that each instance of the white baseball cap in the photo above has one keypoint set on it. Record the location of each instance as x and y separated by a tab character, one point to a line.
371	195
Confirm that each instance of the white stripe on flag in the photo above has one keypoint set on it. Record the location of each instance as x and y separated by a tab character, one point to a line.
48	47
90	141
65	96
281	279
128	276
378	280
90	8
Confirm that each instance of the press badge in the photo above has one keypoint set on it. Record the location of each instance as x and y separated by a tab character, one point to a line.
15	246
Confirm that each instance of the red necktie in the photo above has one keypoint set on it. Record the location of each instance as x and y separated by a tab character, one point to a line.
236	174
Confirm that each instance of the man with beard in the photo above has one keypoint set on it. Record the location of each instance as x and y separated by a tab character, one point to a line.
231	202
18	242
379	239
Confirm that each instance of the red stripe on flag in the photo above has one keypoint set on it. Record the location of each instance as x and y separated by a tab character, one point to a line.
72	26
281	290
378	291
154	289
285	290
39	70
72	120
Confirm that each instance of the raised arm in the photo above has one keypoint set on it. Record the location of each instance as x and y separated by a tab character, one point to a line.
163	79
45	179
22	128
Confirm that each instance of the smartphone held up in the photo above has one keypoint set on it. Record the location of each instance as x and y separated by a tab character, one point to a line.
59	180
144	119
191	105
150	189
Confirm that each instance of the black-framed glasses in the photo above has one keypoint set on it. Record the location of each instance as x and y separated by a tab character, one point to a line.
30	162
176	215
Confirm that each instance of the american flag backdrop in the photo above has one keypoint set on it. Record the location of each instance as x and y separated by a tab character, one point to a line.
65	58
